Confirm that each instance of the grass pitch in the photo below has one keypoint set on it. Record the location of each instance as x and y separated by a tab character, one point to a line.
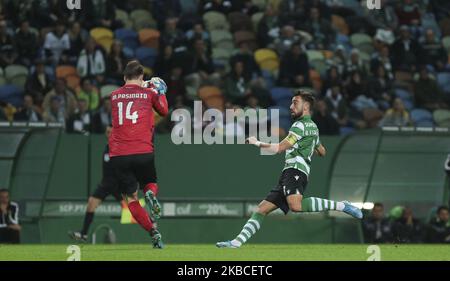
250	252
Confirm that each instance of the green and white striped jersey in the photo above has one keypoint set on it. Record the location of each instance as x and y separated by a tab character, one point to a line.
306	135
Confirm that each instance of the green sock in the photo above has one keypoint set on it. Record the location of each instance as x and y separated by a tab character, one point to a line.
313	204
250	228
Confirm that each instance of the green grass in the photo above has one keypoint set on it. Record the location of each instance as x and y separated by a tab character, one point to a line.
257	252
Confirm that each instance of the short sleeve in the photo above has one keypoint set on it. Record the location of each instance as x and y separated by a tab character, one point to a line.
298	130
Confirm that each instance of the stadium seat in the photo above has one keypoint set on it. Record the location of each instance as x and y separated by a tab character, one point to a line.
245	36
221	54
73	82
123	17
103	36
2	73
443	80
339	24
442	117
212	97
279	93
149	38
222	39
147	56
11	94
128	37
2	81
261	4
409	105
403	94
63	71
268	78
106	90
357	39
15	70
446	43
128	52
142	19
421	116
267	59
215	21
256	18
320	66
240	21
314	55
188	6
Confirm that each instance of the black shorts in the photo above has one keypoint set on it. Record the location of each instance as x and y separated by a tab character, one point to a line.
108	186
292	181
133	169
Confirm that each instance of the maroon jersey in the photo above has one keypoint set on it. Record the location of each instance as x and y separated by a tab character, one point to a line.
132	119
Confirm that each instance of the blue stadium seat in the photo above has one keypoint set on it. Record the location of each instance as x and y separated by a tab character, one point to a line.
279	94
409	105
128	37
146	56
284	117
421	116
443	80
268	78
11	94
403	94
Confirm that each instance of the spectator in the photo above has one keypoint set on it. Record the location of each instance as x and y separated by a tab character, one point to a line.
175	85
46	13
29	112
439	227
77	40
407	229
408	13
320	29
8	54
406	51
355	63
384	18
99	13
9	219
434	53
56	42
80	122
440	9
172	35
26	44
198	31
337	105
333	77
90	94
115	63
293	11
236	84
382	58
377	228
53	112
326	124
102	118
66	102
91	62
268	28
284	42
427	93
221	6
294	68
38	83
396	116
2	114
380	88
245	55
339	60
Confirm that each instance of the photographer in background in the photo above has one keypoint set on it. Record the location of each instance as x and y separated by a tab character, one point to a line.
439	227
377	228
9	219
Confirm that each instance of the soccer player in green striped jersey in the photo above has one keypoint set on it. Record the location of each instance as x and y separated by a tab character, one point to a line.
299	146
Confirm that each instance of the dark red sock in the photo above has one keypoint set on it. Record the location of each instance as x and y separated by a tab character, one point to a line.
153	187
140	215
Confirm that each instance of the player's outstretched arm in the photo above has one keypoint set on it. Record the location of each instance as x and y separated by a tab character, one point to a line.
272	147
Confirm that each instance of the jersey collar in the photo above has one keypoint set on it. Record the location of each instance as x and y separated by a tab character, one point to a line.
304	117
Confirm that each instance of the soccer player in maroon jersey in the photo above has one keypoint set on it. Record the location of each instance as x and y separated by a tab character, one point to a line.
131	142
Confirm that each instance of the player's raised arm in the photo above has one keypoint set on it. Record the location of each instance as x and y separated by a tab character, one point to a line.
159	100
281	147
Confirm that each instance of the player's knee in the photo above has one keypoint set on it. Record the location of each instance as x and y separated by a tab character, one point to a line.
295	207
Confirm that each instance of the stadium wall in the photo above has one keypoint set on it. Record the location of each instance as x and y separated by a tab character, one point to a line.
210	190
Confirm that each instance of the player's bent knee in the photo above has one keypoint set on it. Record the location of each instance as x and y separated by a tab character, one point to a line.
295	208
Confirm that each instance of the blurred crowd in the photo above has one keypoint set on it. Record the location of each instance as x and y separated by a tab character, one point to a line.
401	226
368	68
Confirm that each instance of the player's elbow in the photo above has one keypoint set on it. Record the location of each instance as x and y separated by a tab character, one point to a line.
164	112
